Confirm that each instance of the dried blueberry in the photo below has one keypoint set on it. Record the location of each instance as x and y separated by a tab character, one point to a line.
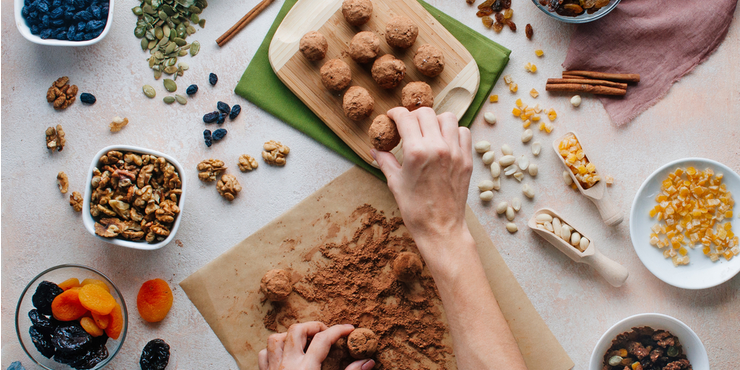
41	322
235	110
44	295
219	134
42	342
207	137
87	98
155	356
212	79
71	339
223	107
210	117
221	118
192	89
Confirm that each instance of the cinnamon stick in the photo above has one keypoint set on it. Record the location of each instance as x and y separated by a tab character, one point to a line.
586	81
231	32
593	89
618	77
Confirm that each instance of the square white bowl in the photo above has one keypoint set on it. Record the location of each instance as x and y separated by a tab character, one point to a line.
23	28
88	220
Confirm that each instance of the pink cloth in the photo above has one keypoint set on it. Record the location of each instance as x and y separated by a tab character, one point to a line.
662	40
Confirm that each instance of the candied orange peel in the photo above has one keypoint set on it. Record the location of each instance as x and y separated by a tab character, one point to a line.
572	152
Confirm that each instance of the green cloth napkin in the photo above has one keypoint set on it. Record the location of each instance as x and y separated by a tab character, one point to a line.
260	85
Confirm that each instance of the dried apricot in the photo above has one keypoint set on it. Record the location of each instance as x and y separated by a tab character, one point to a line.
88	324
95	281
115	325
154	300
101	321
69	283
96	299
67	306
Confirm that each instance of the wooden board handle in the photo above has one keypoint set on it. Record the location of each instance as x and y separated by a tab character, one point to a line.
614	273
608	210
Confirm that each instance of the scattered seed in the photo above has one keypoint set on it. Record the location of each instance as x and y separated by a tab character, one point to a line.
506	149
149	91
506	160
482	146
510	214
485	185
501	207
511	227
516	203
536	148
488	157
533	169
169	99
575	100
527	135
528	191
169	84
194	49
181	99
495	169
486	196
490	118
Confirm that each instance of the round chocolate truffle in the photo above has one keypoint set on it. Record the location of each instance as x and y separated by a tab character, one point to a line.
401	32
357	12
383	133
407	267
336	75
313	45
364	47
357	103
276	285
417	94
429	60
388	71
362	343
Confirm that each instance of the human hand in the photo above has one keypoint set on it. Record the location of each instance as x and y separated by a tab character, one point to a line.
285	351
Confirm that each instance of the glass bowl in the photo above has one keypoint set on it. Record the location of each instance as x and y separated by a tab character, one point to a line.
583	18
58	274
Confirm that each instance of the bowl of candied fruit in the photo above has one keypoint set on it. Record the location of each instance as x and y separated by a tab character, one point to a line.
71	317
576	11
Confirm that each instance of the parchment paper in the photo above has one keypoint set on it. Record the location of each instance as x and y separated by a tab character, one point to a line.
226	290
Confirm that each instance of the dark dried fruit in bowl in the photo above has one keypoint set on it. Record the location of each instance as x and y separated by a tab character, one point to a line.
155	356
87	98
208	138
95	353
44	295
219	134
192	89
70	340
212	79
235	110
42	322
223	107
210	117
42	342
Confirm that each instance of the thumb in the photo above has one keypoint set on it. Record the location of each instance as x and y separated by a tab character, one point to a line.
361	365
387	162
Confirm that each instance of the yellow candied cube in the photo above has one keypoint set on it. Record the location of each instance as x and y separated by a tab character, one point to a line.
539	52
533	68
549	127
513	87
552	115
519	103
493	99
527	123
535	118
533	93
516	111
542	126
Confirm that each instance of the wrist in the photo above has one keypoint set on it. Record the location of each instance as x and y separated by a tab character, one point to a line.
447	252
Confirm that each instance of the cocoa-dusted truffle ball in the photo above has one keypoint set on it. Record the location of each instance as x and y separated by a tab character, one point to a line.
357	103
276	285
383	133
336	75
417	94
407	266
429	60
388	71
338	354
364	47
313	45
401	32
362	343
357	12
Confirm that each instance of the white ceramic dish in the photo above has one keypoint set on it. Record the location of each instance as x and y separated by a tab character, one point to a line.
701	272
692	345
23	28
88	220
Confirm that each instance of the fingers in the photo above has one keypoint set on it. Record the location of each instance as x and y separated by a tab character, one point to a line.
387	163
262	359
298	334
466	143
321	342
428	123
448	125
407	124
361	365
275	344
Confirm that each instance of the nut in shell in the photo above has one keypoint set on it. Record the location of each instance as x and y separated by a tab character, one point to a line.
209	169
274	153
247	163
63	182
118	123
228	186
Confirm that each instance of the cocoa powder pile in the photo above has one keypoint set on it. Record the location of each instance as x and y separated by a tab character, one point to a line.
355	285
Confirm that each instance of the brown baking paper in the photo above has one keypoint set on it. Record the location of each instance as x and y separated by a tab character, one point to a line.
226	290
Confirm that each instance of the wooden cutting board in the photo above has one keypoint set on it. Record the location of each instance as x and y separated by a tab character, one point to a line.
453	90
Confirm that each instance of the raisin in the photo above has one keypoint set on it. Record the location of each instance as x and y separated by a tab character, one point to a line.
70	340
498	27
212	79
87	98
497	6
529	31
484	12
155	356
16	366
221	118
192	89
506	4
219	134
487	21
500	18
223	107
235	110
42	342
42	322
208	138
44	295
511	25
486	4
210	117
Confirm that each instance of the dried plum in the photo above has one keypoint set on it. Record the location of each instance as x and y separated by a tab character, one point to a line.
235	110
88	360
212	79
44	295
223	107
42	341
41	322
155	356
70	340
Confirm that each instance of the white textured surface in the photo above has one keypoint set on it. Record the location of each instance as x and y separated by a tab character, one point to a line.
39	229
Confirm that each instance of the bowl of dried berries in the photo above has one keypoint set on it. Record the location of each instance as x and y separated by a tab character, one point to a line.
64	23
134	197
576	11
71	316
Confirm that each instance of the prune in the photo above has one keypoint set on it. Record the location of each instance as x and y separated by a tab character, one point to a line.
221	118
41	322
212	79
155	356
71	339
223	107
219	134
42	342
44	295
235	110
87	360
208	138
87	98
192	89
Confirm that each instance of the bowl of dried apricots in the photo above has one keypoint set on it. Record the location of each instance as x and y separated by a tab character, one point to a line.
71	317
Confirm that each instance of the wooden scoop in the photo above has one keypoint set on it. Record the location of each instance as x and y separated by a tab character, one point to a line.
614	273
597	193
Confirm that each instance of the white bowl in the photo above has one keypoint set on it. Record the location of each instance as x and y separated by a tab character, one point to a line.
26	31
692	346
701	272
88	220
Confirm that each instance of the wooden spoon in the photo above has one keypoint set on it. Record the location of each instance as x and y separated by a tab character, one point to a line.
614	273
597	193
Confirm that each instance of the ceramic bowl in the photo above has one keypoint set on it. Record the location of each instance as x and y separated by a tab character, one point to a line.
58	274
88	220
23	28
583	18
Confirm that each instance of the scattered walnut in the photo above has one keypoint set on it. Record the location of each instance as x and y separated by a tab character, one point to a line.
63	182
118	124
55	138
247	163
75	200
274	153
61	94
228	187
209	169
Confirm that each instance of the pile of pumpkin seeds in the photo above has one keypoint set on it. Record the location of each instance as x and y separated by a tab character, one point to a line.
163	26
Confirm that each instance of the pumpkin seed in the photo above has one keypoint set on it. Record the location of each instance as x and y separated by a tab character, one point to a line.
194	18
181	99
190	30
195	10
158	33
137	10
163	15
169	99
150	35
152	62
182	53
170	48
144	44
178	41
170	70
170	85
168	9
149	91
139	32
202	23
157	75
152	44
183	65
194	48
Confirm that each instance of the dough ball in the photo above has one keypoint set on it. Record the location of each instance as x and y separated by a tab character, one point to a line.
358	103
336	75
364	47
313	45
276	285
429	60
407	266
362	343
388	71
416	95
401	32
357	12
383	133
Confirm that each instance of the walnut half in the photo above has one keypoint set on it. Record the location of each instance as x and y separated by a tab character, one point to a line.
63	182
209	169
274	153
228	187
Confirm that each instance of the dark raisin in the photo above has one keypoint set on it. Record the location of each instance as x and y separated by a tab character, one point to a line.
219	134
71	339
210	117
499	18
192	89
155	356
44	295
511	25
207	136
223	107
221	118
529	31
87	98
42	342
506	4
212	79
235	110
41	322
